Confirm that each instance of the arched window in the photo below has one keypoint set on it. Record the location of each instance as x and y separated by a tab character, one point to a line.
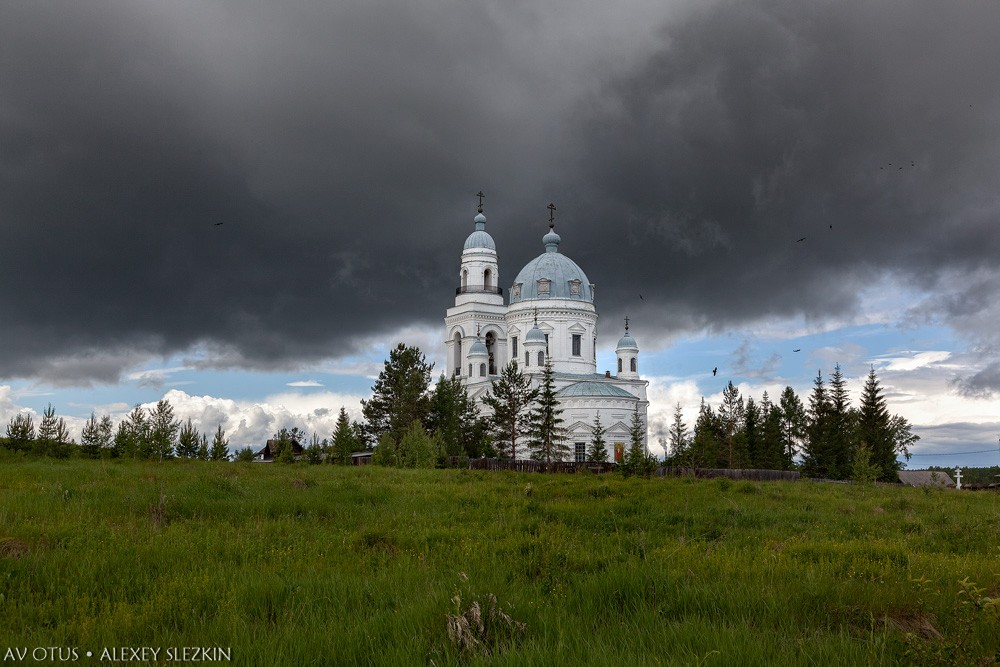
465	279
482	370
487	279
619	364
491	341
632	364
470	370
458	353
541	358
527	359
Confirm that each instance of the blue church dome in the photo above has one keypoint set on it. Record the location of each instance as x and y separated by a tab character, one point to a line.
626	342
478	348
480	238
535	335
551	275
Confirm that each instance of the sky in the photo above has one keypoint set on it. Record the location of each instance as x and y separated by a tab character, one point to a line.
242	208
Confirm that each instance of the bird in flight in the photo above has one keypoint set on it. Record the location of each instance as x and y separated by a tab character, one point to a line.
801	240
640	298
715	370
798	350
218	223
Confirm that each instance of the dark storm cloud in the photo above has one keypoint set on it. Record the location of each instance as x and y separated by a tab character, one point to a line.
340	145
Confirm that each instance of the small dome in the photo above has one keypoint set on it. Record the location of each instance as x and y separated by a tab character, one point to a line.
551	241
480	238
535	335
626	342
478	349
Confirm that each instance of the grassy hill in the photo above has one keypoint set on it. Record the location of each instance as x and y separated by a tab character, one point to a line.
325	565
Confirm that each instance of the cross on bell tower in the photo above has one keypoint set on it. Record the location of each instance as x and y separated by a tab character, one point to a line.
480	195
552	215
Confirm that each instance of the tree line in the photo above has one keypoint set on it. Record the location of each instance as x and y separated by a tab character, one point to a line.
410	424
827	439
147	434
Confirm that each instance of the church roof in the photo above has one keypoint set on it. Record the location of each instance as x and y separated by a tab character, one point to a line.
552	275
480	238
478	348
535	335
626	342
603	389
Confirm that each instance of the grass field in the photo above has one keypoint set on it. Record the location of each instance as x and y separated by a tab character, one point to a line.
298	565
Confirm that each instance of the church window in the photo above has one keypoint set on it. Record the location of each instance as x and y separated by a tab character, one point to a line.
513	347
574	287
465	279
541	358
633	365
487	280
576	345
595	348
527	359
546	343
458	353
490	348
515	291
581	452
470	370
482	370
619	364
544	286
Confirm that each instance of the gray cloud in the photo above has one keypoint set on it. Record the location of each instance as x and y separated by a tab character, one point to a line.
983	384
339	146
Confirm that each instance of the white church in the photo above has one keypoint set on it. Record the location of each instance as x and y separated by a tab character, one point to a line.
549	316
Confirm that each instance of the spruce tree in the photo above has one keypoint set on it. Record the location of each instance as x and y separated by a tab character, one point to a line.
399	395
678	438
753	434
731	419
547	441
220	446
875	429
816	458
637	462
772	454
203	448
454	419
841	428
344	443
598	450
510	399
706	444
793	422
187	441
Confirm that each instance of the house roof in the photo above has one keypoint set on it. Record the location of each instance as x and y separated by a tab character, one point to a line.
925	478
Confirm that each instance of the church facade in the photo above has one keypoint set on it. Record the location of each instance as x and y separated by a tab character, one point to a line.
548	314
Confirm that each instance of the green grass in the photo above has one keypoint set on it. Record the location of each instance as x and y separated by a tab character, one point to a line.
328	565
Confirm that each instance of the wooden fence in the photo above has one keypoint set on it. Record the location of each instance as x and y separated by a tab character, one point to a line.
752	474
519	465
